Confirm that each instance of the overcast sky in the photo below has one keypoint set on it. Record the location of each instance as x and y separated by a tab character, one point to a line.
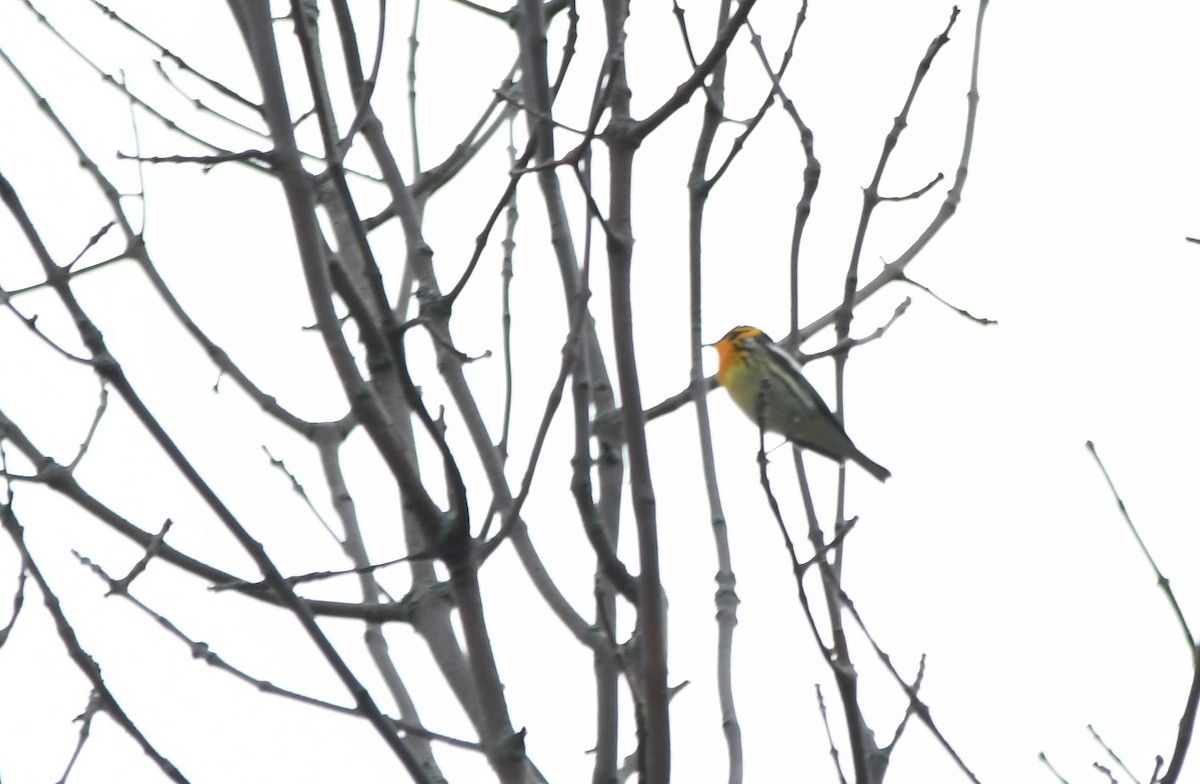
996	549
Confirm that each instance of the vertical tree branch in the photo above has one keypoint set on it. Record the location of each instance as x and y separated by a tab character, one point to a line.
726	597
656	746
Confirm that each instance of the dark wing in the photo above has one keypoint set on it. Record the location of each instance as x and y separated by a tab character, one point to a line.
795	379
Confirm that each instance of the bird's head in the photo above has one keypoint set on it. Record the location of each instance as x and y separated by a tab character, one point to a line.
735	341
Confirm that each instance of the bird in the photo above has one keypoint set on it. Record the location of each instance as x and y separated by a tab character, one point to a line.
766	383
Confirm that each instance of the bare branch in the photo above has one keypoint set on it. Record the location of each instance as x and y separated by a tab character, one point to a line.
833	752
699	190
85	730
91	243
483	9
299	490
329	574
207	161
569	353
984	322
1109	751
1187	724
910	710
1187	720
1046	761
257	22
849	343
508	246
87	441
121	586
1160	578
31	323
683	93
413	43
918	193
505	199
18	600
915	702
203	651
174	57
107	78
84	662
776	89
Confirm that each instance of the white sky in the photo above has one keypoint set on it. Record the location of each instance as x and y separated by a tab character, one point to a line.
996	548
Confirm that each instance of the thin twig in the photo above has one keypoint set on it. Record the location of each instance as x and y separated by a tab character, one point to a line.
871	199
910	710
411	75
918	193
203	651
1042	758
137	147
18	600
508	247
916	704
515	175
374	640
985	322
483	9
220	87
365	88
207	161
122	586
256	27
1109	751
94	706
87	441
677	10
490	120
833	751
107	78
812	170
849	343
866	756
83	661
5	296
776	89
299	490
328	574
683	93
31	323
91	243
1160	578
569	358
798	569
1187	720
135	248
55	476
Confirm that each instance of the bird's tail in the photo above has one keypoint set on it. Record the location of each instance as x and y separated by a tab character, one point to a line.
870	466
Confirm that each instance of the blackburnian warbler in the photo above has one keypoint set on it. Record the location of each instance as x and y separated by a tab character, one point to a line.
767	384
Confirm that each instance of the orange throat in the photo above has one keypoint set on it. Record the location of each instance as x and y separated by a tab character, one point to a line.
727	360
